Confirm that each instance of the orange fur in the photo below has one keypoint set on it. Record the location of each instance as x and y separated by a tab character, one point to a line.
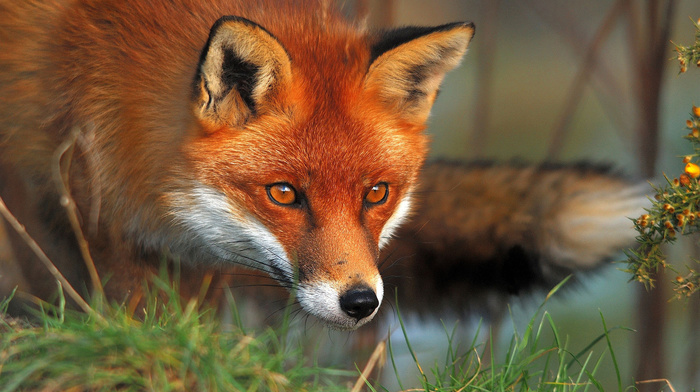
172	122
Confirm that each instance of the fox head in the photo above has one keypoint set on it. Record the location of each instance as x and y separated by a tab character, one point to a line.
306	149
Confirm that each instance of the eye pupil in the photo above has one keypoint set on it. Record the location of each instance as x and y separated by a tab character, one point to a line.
377	194
283	194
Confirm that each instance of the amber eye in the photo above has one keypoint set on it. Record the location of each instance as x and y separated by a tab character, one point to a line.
377	194
282	194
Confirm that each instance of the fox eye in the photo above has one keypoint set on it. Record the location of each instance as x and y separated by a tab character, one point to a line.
377	194
282	194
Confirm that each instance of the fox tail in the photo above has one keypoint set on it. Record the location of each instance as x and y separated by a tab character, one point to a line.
484	231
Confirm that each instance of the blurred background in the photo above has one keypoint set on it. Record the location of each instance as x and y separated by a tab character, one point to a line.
567	81
571	81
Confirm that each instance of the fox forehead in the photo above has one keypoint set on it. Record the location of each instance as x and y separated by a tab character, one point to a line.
325	146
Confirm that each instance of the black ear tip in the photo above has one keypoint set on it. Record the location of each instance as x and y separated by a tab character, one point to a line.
471	26
386	40
466	25
454	25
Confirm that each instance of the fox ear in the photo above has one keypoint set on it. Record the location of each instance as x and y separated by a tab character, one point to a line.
242	70
408	65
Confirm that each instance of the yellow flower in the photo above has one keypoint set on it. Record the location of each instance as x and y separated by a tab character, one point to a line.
696	110
692	170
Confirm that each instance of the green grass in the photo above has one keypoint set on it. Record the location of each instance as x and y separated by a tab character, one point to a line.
180	347
528	363
170	347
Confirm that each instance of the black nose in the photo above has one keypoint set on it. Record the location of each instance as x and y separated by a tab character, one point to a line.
359	302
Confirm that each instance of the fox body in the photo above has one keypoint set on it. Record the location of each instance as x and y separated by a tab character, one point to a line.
272	135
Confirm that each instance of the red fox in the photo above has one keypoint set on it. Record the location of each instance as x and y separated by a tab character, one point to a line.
272	135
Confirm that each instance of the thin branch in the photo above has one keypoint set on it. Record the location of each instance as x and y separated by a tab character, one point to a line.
656	381
484	80
86	141
378	357
693	346
584	72
609	90
60	177
19	228
650	45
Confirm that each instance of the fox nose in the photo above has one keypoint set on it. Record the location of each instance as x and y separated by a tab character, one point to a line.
359	302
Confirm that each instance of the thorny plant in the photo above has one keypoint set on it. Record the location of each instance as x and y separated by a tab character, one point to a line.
690	54
676	206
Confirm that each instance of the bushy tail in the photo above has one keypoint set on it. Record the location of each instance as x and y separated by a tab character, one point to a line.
483	231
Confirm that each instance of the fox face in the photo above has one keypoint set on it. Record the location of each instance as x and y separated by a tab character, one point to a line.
315	223
305	167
